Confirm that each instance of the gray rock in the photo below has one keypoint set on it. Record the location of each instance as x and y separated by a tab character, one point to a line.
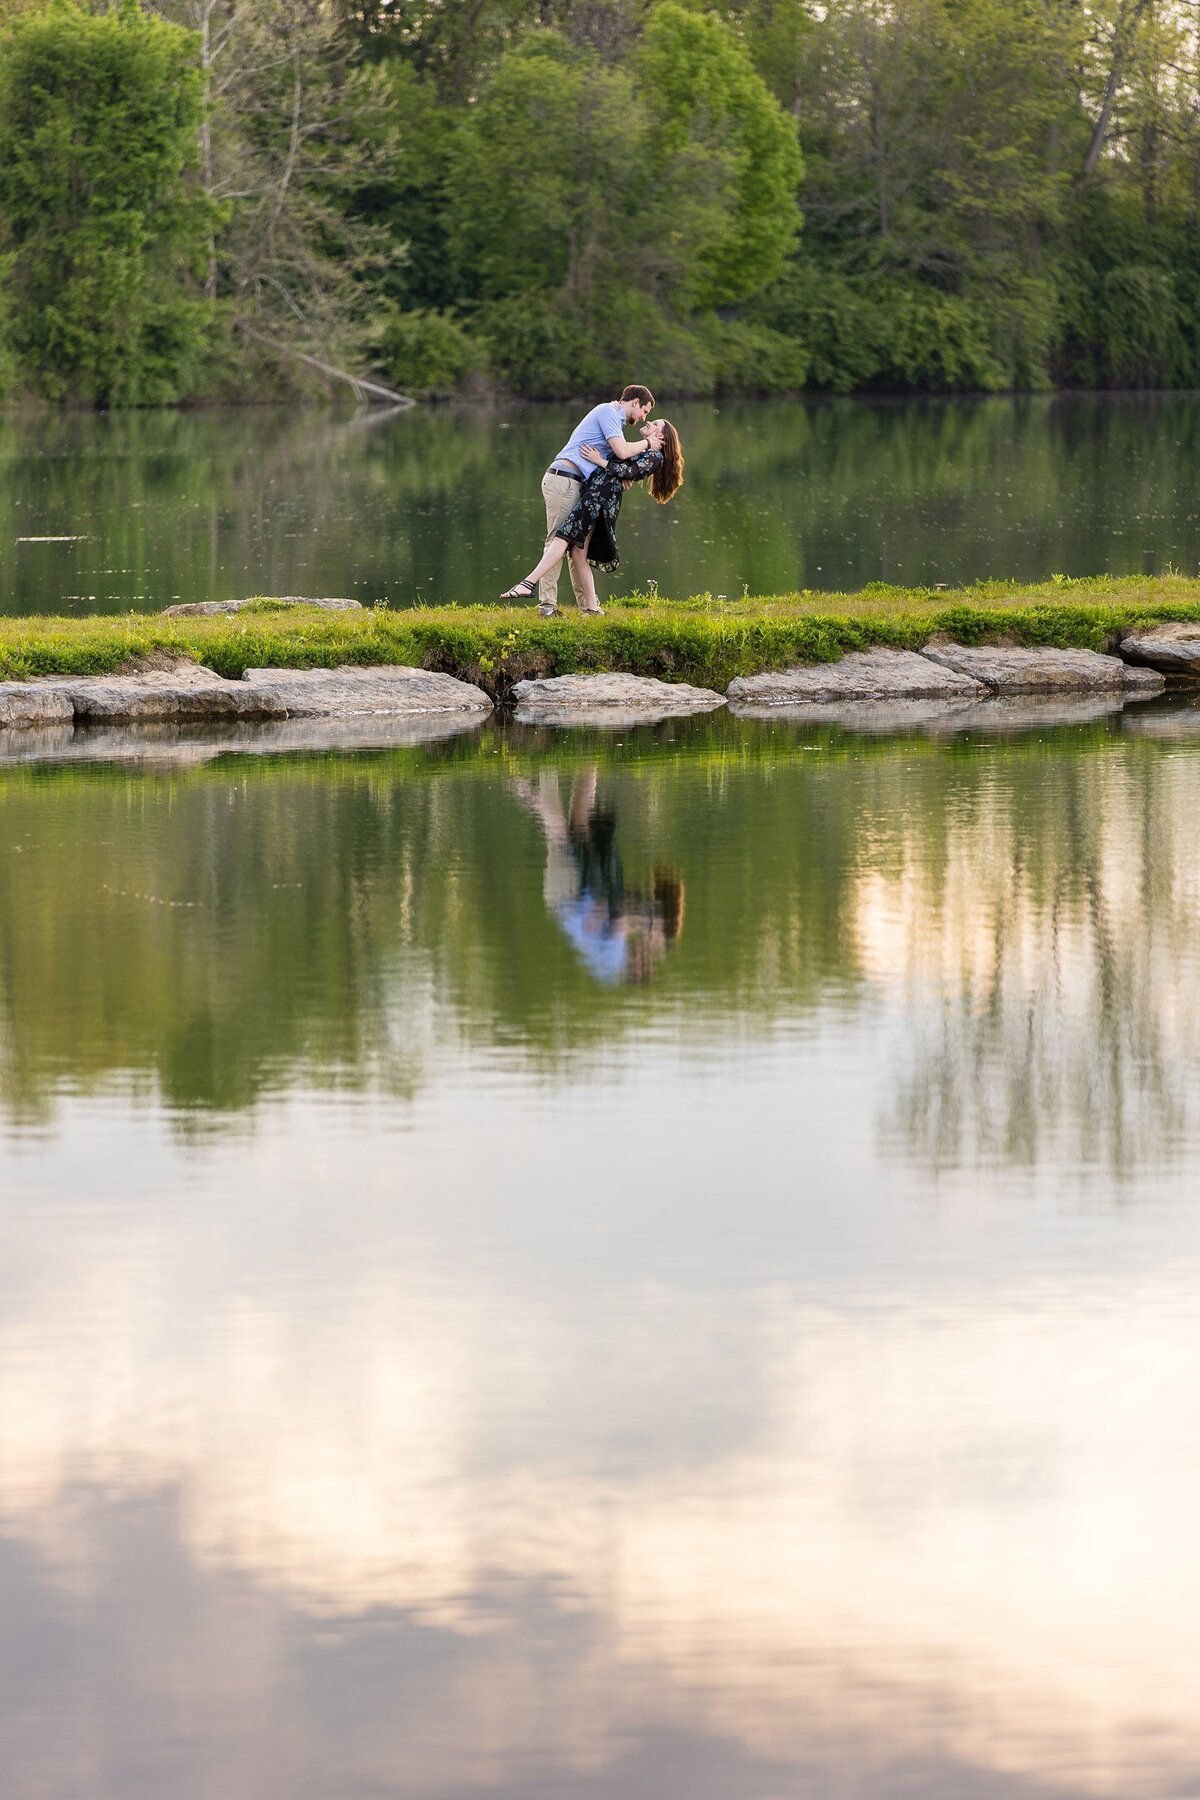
1172	649
341	693
862	675
187	691
209	609
613	701
1041	671
29	703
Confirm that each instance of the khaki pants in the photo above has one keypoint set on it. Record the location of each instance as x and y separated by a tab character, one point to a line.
560	494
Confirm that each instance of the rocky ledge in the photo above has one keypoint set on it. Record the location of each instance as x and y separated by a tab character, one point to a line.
1042	671
945	672
351	690
608	700
189	692
27	703
1171	649
183	691
862	675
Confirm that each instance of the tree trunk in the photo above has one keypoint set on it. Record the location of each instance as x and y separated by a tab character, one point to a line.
1123	37
206	160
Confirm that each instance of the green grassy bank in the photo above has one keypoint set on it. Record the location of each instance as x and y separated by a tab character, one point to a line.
700	640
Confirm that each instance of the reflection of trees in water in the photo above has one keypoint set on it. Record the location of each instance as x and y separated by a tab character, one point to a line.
217	933
223	932
434	504
213	937
1037	922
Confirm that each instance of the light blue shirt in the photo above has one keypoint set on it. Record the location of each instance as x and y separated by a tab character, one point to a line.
595	428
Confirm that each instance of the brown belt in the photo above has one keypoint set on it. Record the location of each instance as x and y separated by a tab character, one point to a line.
569	473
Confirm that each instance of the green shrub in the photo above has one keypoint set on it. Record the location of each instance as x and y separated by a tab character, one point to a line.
755	359
1126	329
427	353
535	349
881	331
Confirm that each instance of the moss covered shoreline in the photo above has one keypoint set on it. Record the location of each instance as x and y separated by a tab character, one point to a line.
702	640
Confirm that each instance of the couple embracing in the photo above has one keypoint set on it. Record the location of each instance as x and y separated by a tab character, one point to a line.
583	489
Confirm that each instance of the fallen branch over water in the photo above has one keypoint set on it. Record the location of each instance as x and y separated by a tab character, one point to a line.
364	389
703	641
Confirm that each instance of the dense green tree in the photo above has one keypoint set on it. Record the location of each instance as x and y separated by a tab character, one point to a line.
776	34
405	193
549	173
934	196
104	237
723	155
599	214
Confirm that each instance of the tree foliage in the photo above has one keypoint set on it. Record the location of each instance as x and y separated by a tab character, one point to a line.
549	195
99	117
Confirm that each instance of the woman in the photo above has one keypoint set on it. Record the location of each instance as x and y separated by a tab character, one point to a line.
588	532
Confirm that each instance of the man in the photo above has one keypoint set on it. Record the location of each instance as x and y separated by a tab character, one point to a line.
604	428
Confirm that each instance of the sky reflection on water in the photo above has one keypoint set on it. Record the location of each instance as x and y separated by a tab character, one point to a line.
453	1375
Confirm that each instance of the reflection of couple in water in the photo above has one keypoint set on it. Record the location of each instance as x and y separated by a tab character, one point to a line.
583	489
620	933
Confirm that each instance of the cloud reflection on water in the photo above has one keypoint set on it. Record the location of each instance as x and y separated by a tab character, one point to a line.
934	1521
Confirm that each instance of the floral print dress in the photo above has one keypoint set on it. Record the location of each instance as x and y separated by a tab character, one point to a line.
599	503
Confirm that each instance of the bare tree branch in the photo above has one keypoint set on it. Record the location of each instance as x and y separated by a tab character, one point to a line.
362	387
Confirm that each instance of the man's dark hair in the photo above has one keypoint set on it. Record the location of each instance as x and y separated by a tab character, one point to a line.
637	392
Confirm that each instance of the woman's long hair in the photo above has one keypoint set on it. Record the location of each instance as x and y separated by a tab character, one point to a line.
669	479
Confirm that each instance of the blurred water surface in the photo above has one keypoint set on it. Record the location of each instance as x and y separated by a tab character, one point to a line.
634	1267
136	510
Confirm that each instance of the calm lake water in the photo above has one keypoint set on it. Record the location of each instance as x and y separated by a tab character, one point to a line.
657	1266
139	510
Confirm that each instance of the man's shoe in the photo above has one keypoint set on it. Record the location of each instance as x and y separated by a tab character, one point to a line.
549	612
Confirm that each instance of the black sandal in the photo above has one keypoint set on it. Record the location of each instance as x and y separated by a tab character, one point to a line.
521	590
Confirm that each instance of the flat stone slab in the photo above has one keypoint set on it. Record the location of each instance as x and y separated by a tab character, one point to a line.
29	703
211	609
341	693
612	700
189	691
876	674
1171	649
1042	671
